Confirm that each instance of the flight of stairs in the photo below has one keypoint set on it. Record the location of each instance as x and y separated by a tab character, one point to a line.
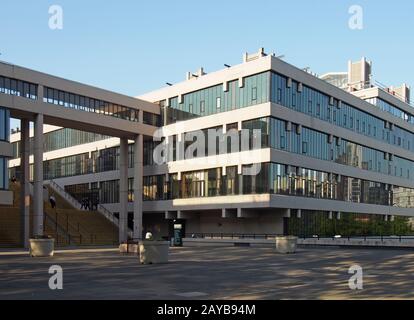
68	225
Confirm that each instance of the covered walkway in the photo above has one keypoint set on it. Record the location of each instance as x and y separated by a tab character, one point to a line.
40	98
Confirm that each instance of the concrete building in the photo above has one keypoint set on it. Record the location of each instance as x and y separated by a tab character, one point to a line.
260	148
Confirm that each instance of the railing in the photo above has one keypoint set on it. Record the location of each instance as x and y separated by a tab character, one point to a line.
59	230
232	236
227	236
81	240
108	214
72	234
75	203
111	217
58	189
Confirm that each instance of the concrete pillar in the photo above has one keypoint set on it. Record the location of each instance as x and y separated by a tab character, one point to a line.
138	176
24	182
123	190
299	214
287	213
228	213
170	215
38	176
240	178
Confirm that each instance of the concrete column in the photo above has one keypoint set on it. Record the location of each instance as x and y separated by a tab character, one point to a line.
240	178
287	213
229	213
138	176
170	215
38	176
123	190
24	182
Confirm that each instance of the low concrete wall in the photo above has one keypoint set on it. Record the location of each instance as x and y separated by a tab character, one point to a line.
198	242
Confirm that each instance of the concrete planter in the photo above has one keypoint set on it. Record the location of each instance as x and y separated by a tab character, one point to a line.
42	247
286	244
131	248
152	252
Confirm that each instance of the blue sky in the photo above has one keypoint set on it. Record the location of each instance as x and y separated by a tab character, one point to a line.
134	46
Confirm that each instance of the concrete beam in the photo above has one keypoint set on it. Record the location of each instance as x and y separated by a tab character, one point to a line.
185	215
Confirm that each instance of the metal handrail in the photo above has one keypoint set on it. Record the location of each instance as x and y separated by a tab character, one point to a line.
271	236
108	214
65	194
100	208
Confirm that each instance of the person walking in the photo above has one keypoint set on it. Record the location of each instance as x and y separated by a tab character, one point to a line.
52	201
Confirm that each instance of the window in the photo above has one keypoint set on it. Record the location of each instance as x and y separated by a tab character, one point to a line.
3	173
318	109
282	142
254	93
310	106
304	147
4	124
202	106
218	102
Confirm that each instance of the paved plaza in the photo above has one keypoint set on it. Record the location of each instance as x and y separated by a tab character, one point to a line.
212	273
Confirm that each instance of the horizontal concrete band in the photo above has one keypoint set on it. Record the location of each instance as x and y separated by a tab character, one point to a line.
267	201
